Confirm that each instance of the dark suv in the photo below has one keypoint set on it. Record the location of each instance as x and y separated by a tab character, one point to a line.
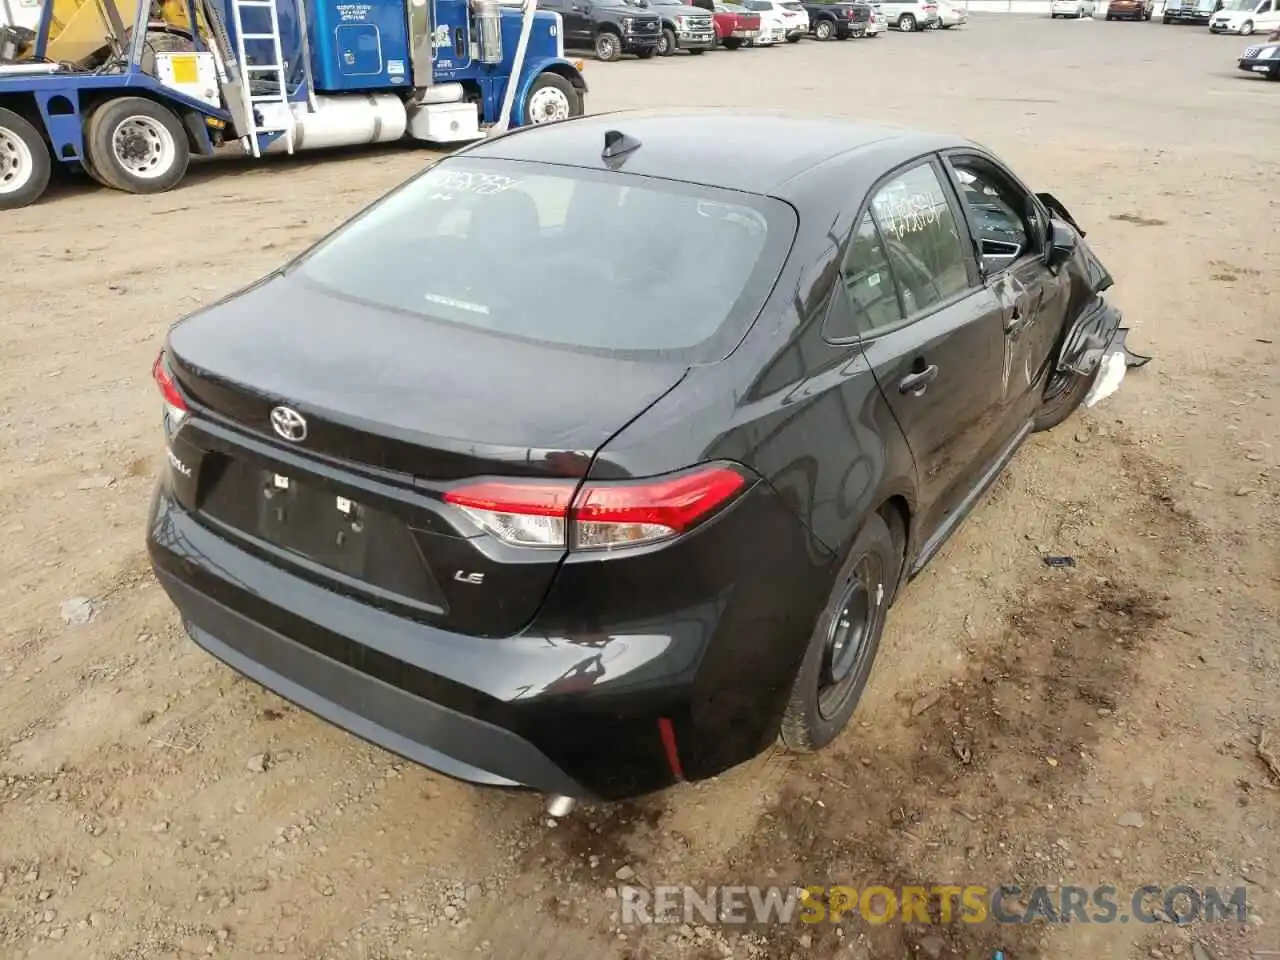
610	27
838	20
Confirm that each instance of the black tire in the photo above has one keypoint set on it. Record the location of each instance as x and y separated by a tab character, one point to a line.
667	42
697	51
1246	28
907	23
793	39
865	583
824	29
1062	394
1164	20
731	43
608	47
25	164
565	96
647	53
160	143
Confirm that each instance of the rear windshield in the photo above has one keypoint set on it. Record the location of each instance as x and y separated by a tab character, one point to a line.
585	259
792	6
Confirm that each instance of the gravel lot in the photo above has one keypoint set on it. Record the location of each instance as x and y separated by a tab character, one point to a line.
1095	724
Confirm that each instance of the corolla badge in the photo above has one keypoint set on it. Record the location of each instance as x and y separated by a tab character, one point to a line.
289	424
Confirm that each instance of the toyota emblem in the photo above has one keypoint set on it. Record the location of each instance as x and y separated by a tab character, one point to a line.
290	424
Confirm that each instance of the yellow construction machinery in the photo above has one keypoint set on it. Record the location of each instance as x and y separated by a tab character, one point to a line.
85	32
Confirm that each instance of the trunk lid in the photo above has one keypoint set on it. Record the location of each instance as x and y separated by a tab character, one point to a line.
398	408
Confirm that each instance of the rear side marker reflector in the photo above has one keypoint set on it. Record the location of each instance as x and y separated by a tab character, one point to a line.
667	732
602	515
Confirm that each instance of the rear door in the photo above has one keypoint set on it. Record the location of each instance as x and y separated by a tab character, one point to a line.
1008	230
932	333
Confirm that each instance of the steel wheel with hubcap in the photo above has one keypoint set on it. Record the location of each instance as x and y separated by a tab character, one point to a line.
25	166
137	145
844	642
551	98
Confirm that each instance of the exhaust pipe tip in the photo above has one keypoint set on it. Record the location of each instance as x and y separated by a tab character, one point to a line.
559	806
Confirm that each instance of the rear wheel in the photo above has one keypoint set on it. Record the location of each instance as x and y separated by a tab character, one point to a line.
645	53
906	23
137	145
731	43
25	165
794	38
667	42
843	646
823	30
608	47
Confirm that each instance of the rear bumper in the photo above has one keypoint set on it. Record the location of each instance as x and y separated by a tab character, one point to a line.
376	711
583	702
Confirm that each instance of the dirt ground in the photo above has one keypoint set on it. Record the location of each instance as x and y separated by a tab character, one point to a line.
1024	725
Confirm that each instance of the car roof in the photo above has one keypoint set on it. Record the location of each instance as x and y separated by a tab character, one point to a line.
751	152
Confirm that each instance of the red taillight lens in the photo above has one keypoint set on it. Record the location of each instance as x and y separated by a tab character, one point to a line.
603	516
175	408
167	390
521	514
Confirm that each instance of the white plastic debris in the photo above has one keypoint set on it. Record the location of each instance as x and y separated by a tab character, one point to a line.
1108	382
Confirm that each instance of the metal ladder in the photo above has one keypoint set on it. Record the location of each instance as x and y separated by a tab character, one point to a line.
249	69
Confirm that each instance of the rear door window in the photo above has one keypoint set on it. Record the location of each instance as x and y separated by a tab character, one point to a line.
583	259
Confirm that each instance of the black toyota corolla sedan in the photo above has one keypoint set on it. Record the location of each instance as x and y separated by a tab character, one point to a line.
592	458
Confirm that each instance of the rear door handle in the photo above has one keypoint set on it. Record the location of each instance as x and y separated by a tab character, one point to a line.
916	383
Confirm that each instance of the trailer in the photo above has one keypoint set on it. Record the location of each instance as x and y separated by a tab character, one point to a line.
127	91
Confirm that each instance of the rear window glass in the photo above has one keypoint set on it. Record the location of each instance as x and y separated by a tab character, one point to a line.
793	6
580	258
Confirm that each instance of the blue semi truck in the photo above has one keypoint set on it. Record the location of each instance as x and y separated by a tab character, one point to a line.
273	75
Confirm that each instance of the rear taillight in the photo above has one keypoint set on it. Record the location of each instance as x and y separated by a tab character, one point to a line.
602	515
175	408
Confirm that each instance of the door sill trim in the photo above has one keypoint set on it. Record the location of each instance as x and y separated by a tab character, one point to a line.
989	476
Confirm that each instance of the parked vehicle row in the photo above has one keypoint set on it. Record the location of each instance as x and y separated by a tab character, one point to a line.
649	28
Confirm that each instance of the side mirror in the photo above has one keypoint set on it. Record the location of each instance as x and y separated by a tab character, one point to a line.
1061	243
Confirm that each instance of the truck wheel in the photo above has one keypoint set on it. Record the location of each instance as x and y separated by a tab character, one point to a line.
697	51
907	23
667	42
25	165
646	53
137	145
608	47
823	30
551	98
